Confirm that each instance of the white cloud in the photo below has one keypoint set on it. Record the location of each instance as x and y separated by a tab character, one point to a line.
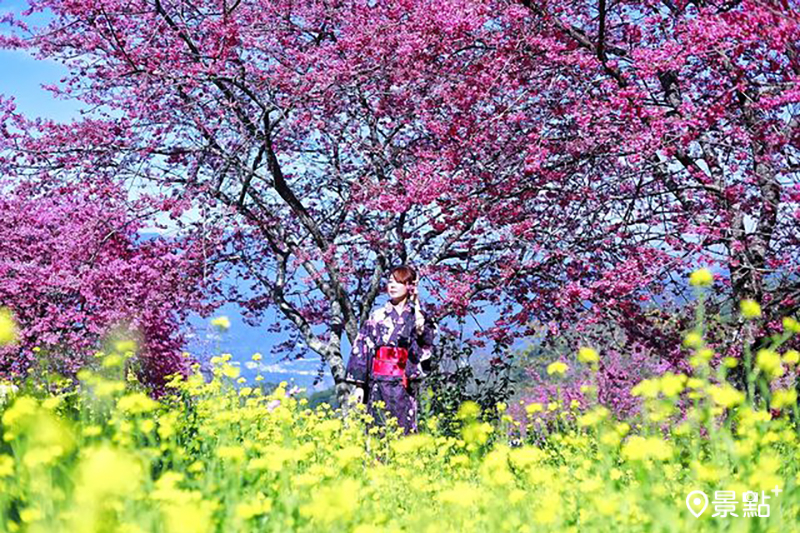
278	369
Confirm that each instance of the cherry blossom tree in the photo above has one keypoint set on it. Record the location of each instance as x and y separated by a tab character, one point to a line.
560	161
77	276
685	118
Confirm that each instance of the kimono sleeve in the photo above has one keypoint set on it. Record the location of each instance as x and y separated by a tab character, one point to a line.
364	343
422	350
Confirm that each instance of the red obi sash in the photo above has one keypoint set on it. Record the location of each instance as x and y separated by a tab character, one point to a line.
389	361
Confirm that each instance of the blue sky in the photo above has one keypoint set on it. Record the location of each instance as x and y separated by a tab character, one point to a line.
22	77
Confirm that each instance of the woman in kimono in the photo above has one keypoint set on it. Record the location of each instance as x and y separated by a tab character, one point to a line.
392	352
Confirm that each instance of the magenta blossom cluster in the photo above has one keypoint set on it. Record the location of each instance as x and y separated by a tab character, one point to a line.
76	273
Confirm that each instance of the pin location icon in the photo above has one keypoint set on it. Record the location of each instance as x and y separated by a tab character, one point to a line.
697	501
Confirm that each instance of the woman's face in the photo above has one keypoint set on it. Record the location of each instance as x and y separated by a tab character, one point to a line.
396	290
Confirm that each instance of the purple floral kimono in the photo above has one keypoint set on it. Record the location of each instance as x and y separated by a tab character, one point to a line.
386	327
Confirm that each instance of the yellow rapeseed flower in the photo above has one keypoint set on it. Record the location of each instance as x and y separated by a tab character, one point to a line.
6	465
750	308
593	417
194	516
533	408
695	383
459	460
105	387
136	403
113	360
516	496
408	445
672	384
557	367
468	410
693	340
494	469
106	471
547	512
222	323
704	355
750	418
20	417
30	514
125	346
234	453
476	433
765	476
230	371
649	388
254	506
705	472
638	448
791	325
42	455
769	362
725	395
350	455
610	438
783	398
333	503
526	456
701	278
8	327
730	362
588	355
461	494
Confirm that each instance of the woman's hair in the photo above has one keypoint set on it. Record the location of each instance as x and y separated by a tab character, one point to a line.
404	274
